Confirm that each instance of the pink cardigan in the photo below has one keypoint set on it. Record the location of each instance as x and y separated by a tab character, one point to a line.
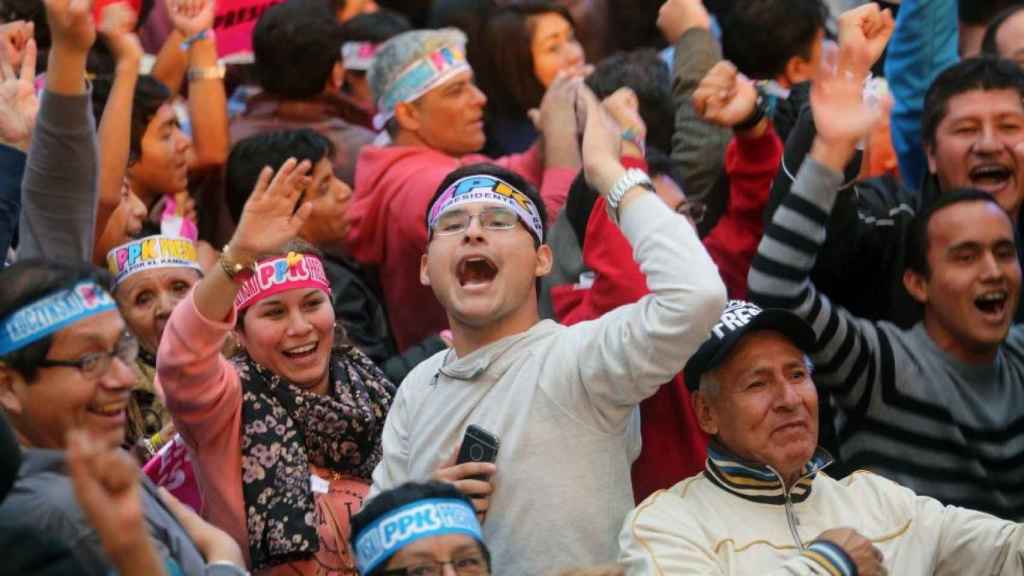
204	395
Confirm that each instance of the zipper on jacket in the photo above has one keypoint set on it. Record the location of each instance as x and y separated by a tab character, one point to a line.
792	521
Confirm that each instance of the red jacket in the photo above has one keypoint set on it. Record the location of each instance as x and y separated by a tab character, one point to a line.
674	447
394	185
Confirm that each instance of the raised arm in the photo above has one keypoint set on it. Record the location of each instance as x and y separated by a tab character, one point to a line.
780	273
201	387
698	148
58	195
207	100
117	23
18	109
924	44
632	350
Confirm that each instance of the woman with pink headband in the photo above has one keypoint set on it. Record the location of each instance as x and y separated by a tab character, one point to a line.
286	435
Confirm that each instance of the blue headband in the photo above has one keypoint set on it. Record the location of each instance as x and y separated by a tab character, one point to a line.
51	314
422	519
484	188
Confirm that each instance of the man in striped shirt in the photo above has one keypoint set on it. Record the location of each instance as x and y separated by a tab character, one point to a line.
938	407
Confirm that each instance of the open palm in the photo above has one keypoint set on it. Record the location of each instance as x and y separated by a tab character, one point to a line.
840	112
270	219
18	102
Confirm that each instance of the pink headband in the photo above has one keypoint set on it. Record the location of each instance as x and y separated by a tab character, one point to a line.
280	274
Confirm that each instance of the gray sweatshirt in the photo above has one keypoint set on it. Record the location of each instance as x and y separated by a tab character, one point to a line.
909	411
562	401
59	192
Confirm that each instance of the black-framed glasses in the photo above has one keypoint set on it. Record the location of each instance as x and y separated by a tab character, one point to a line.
473	565
96	364
457	221
693	210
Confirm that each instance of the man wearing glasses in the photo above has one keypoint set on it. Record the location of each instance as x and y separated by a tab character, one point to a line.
561	401
66	364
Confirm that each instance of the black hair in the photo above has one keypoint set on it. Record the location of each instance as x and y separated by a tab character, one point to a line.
150	94
981	12
249	156
375	27
917	240
27	281
296	45
470	17
761	36
648	76
989	43
511	86
981	73
487	169
579	203
408	493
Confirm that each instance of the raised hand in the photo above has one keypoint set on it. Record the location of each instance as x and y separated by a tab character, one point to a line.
841	115
14	37
270	218
117	26
624	107
191	17
71	24
863	34
602	144
675	17
106	485
724	96
18	102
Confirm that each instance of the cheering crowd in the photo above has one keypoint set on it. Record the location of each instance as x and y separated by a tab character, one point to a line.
525	287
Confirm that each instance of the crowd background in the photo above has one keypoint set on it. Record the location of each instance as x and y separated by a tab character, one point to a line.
236	258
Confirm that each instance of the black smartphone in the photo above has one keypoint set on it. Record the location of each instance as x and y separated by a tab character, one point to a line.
478	445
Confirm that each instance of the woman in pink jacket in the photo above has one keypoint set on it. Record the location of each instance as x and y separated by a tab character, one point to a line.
286	435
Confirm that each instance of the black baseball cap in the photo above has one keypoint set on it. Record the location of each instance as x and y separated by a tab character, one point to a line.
739	319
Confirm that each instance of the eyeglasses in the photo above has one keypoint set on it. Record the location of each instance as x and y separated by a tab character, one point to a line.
693	210
474	565
96	364
457	221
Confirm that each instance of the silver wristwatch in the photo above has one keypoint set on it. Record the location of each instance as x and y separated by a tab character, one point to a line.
633	177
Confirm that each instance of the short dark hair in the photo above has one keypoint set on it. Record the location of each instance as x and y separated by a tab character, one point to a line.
511	86
249	156
150	94
296	45
27	281
648	76
487	169
761	36
395	498
918	242
375	27
980	73
989	43
981	12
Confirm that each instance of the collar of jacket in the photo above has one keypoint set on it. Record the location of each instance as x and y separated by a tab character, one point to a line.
759	482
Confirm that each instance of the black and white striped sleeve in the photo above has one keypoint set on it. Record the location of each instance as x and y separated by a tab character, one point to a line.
847	347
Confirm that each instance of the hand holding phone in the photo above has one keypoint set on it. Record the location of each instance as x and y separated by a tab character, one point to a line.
471	469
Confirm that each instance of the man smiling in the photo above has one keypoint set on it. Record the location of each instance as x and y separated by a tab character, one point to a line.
561	400
935	407
763	504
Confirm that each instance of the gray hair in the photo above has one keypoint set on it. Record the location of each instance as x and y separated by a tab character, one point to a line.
397	53
710	387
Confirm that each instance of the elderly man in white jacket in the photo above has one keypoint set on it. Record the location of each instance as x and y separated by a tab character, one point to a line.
764	506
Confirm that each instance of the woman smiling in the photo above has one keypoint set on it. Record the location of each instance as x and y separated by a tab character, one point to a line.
287	434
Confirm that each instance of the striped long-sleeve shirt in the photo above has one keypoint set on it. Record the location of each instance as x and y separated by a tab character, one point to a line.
908	410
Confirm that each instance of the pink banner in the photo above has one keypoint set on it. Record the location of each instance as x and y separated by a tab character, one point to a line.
172	469
233	25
